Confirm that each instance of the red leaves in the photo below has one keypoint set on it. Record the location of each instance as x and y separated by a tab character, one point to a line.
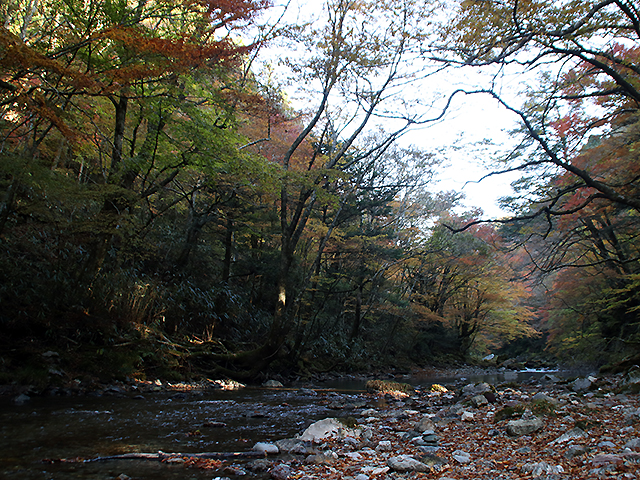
225	11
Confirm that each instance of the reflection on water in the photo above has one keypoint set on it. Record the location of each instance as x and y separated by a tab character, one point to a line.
211	421
216	421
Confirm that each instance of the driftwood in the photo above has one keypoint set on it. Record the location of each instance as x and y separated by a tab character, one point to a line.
163	456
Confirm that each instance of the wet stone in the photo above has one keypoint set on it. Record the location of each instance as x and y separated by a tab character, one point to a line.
581	384
406	463
424	424
280	472
479	401
293	445
431	459
576	451
268	448
517	428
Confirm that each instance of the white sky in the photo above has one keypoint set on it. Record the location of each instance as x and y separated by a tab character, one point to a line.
472	119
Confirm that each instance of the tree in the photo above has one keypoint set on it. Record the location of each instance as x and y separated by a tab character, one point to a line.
105	106
360	62
466	284
589	68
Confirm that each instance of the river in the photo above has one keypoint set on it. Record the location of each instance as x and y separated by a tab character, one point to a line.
200	421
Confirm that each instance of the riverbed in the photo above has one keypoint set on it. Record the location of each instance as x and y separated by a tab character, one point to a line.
34	437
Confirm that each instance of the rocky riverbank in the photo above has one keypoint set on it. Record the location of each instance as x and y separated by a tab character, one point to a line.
546	429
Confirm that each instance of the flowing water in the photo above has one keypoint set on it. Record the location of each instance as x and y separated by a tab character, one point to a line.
49	428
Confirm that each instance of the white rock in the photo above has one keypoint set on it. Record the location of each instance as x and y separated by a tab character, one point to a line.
570	435
406	463
516	428
467	417
581	384
384	446
326	428
542	468
461	456
268	448
479	401
375	470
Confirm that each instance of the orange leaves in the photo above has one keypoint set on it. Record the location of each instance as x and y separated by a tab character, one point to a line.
230	10
174	54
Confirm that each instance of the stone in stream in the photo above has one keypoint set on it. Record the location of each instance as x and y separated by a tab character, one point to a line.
280	472
517	428
268	448
570	435
328	427
424	424
406	463
472	390
479	401
581	384
21	399
272	384
293	445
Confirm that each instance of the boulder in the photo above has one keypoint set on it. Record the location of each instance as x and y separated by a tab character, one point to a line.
570	435
268	448
581	384
461	456
21	399
543	397
327	428
472	390
320	459
467	416
384	446
479	401
633	444
272	384
406	463
576	451
541	468
517	428
293	445
549	378
432	459
280	472
633	375
424	424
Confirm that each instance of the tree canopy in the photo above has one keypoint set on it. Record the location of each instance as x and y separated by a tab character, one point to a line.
168	206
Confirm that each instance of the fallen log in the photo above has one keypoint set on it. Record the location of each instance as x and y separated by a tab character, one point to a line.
162	456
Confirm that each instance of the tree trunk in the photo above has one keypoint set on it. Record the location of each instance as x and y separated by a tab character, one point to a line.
118	133
357	317
6	207
228	251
